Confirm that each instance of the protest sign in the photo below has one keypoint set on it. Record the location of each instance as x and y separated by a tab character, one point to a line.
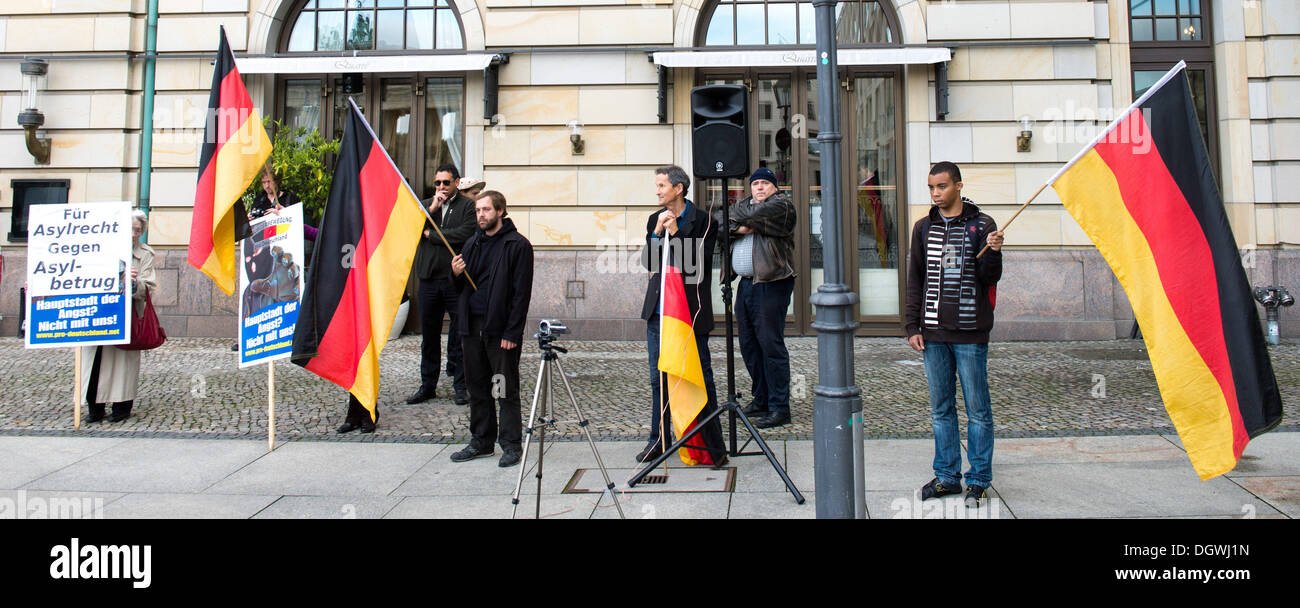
78	274
270	286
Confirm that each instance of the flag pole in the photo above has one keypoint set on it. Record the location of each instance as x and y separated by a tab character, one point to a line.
270	405
663	388
76	388
409	189
444	242
1174	71
1013	217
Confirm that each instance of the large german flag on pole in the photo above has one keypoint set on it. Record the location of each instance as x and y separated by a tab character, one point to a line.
363	256
1144	193
679	360
235	146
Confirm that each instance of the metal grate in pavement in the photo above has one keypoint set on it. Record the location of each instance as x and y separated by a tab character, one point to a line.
678	479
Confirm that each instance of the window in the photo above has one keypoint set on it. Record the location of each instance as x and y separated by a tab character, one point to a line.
28	192
376	25
792	22
1165	32
1166	20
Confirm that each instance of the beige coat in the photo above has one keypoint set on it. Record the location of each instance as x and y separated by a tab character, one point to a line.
119	370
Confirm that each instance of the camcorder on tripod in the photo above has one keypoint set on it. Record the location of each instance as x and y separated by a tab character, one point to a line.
548	332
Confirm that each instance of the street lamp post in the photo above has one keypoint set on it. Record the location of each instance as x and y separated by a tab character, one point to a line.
837	415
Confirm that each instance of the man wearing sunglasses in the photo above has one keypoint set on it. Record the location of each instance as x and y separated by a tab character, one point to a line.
454	213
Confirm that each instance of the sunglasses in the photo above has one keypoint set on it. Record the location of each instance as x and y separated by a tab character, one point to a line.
442	182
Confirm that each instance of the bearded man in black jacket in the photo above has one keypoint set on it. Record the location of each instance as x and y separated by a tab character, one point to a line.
490	316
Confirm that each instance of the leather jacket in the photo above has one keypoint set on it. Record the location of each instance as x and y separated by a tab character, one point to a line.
773	222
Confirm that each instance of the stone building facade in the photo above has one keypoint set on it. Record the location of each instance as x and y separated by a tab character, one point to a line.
421	69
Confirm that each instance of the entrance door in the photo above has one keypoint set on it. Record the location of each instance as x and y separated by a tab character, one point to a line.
783	128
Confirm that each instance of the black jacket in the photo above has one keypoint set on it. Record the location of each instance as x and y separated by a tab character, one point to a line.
958	308
693	230
773	222
432	260
509	286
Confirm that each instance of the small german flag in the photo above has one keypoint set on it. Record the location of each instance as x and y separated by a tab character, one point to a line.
679	360
235	146
363	256
1144	192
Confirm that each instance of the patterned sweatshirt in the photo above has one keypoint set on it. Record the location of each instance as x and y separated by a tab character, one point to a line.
950	293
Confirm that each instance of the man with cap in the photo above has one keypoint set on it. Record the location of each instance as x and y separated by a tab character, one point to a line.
762	252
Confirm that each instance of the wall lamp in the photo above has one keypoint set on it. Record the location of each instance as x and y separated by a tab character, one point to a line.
1022	140
575	138
34	71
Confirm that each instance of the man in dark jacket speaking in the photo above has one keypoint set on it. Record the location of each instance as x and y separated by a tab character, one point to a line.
490	321
762	251
454	214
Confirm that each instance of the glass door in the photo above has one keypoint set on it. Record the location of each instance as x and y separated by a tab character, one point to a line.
875	197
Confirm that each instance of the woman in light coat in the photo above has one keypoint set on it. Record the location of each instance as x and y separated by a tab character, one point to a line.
110	374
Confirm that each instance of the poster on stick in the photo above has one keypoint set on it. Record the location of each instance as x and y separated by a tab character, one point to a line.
78	274
270	286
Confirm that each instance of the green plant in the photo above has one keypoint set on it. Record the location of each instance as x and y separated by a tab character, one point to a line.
298	157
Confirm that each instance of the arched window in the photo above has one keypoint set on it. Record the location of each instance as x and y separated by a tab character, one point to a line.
1165	32
378	25
792	22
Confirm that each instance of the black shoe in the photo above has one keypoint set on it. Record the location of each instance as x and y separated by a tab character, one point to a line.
651	452
780	418
234	348
718	463
348	427
754	409
510	458
470	453
96	412
422	395
461	398
937	489
975	494
120	413
367	427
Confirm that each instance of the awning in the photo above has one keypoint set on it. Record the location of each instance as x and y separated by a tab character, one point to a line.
889	56
364	63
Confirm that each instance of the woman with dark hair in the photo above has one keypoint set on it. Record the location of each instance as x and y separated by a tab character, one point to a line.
114	374
273	199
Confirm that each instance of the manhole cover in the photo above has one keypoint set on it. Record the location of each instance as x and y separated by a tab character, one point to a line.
678	479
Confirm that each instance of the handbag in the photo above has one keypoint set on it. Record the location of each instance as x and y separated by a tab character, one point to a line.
146	332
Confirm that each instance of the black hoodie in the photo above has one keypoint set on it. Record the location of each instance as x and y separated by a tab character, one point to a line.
957	305
508	284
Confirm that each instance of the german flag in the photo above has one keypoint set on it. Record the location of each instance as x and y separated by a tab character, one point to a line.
1145	194
363	256
235	146
679	360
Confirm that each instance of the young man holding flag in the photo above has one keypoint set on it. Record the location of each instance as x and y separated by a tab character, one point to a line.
950	297
678	307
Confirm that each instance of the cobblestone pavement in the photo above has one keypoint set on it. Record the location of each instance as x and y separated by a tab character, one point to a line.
191	387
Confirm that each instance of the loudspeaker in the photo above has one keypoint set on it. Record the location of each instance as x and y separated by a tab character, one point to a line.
718	131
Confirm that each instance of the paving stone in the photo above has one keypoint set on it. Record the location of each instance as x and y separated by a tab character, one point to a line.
193	386
152	465
186	506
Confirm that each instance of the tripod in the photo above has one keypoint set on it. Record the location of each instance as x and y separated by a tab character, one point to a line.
542	398
731	406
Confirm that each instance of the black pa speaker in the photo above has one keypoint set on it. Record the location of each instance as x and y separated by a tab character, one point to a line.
718	131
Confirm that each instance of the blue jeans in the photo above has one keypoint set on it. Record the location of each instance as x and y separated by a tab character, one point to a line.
944	361
760	313
712	433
